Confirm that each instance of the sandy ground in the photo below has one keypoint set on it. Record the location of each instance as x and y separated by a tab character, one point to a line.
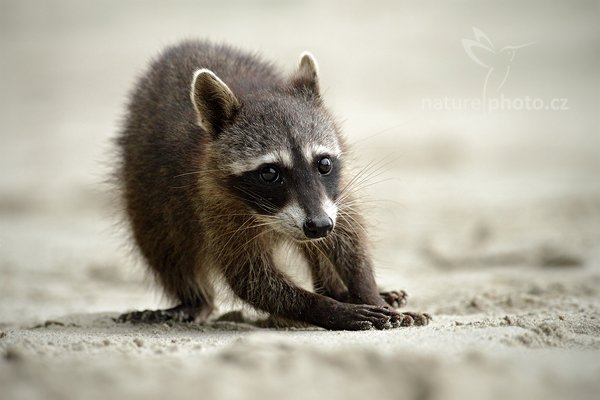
490	221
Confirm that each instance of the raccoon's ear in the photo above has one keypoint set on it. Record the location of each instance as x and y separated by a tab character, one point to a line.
214	102
306	77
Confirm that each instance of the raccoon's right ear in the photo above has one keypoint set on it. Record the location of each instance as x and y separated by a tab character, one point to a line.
214	102
306	78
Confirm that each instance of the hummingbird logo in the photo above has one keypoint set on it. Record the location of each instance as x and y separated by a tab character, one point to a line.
497	61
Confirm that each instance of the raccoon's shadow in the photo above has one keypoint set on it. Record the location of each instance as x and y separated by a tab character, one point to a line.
100	323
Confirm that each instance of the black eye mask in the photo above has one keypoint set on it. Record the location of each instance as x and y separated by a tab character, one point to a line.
268	189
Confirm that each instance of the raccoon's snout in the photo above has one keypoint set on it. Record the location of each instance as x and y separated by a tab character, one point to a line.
319	227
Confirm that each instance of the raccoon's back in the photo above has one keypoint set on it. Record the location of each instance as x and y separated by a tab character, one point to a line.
160	143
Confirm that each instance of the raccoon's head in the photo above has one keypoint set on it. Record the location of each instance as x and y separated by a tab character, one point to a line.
279	150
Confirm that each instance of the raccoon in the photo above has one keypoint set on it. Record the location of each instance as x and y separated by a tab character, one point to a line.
223	159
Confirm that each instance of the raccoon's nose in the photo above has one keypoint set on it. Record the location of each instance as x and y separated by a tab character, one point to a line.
317	227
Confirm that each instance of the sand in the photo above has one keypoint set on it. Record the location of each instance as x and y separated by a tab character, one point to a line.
490	221
516	323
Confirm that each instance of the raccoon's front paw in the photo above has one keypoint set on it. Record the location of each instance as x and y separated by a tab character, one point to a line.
410	318
395	298
355	317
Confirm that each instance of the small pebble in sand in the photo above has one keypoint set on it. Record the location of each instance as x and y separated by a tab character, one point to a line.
78	347
138	342
106	342
13	354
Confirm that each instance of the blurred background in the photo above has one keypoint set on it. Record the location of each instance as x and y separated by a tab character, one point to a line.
403	78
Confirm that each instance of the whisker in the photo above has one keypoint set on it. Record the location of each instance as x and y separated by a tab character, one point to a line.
201	171
317	247
243	228
260	200
351	217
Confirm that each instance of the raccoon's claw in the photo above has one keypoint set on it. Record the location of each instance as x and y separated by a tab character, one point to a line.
364	317
395	298
415	319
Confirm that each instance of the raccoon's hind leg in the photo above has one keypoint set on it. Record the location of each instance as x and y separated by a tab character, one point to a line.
180	313
191	309
183	284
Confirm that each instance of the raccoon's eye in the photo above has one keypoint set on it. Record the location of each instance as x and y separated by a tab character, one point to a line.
325	165
269	174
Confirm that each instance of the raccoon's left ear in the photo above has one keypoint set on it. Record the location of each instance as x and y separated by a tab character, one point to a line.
306	77
214	103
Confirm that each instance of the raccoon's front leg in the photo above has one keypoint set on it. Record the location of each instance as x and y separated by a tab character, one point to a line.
263	286
351	262
349	256
395	298
327	281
